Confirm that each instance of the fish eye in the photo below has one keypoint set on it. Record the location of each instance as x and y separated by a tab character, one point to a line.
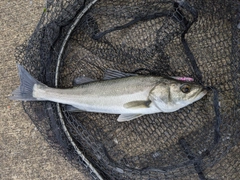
185	88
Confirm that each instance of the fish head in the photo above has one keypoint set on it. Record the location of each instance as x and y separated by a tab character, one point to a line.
172	95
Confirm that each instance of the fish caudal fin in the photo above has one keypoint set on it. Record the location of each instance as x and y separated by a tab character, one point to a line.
25	91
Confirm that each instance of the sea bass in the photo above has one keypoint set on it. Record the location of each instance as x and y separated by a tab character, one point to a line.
129	95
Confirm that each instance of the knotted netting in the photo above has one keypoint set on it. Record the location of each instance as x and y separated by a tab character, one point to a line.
193	38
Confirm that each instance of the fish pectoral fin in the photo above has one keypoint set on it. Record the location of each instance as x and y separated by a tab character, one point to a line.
82	80
72	108
128	117
114	74
137	104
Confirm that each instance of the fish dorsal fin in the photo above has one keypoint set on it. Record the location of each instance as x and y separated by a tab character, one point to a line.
128	117
137	104
82	80
114	74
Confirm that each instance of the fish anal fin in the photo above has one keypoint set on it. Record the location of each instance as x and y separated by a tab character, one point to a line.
137	104
128	117
114	74
72	108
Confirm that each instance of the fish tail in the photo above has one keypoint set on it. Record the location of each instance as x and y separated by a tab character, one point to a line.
25	91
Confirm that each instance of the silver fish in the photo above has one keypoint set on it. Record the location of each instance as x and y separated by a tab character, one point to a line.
129	95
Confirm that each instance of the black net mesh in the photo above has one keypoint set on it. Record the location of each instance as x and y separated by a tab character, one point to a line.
195	38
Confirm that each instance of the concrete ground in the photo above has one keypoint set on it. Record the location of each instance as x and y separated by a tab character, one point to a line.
24	154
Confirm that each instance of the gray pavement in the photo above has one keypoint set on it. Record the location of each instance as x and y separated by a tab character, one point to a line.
24	154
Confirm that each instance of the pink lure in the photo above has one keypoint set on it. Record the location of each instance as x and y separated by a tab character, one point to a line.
188	79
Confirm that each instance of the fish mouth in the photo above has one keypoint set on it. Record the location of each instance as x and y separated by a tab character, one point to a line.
201	93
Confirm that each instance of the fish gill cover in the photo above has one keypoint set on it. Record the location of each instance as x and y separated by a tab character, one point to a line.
195	38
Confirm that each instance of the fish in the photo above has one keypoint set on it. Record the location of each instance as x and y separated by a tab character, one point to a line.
130	95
